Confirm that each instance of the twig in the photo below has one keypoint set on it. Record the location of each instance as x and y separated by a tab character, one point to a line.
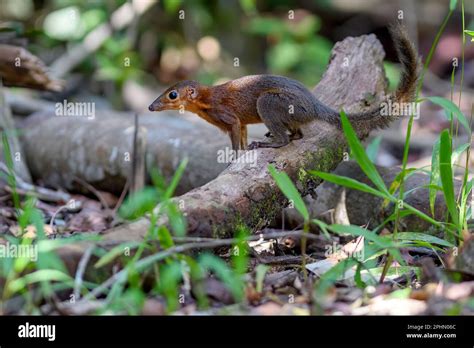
81	268
51	222
138	158
121	198
22	104
282	260
93	190
24	188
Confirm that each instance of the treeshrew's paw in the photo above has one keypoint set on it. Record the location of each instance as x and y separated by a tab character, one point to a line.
253	145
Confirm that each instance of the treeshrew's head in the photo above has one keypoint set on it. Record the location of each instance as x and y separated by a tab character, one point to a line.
183	95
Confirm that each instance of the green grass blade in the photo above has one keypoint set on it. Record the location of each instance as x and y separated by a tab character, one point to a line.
451	108
39	276
176	178
373	148
139	203
354	184
348	182
415	236
115	252
434	175
457	152
357	231
260	272
360	156
289	190
230	279
446	174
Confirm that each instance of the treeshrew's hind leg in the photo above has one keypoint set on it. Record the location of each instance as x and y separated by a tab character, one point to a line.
272	113
296	134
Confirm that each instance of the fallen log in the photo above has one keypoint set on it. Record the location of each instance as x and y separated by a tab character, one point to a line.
99	150
245	193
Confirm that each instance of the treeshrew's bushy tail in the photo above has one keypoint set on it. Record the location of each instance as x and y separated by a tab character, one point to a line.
411	65
378	117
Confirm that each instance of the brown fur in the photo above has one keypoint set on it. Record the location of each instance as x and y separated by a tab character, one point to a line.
281	103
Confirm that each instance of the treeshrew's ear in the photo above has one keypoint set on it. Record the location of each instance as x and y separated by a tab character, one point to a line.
192	92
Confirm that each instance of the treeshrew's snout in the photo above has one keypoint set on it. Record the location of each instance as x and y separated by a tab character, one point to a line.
155	106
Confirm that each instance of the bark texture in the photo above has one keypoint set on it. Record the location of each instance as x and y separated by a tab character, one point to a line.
20	68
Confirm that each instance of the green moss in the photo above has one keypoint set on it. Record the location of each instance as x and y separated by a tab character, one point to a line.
218	232
234	222
265	209
268	208
324	160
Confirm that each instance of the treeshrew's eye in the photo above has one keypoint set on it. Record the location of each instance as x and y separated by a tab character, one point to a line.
173	95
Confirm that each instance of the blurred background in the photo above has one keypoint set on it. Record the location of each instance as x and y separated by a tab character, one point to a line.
122	54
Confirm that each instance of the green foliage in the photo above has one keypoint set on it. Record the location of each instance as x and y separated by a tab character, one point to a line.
360	156
240	258
230	279
442	149
170	278
171	6
249	6
328	279
443	159
139	203
43	266
115	252
260	272
451	110
434	175
369	169
393	75
446	174
296	48
373	148
423	239
348	182
170	269
118	62
145	201
290	191
470	33
377	245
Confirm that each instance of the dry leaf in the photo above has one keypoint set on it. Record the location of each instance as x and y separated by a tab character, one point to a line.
30	231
